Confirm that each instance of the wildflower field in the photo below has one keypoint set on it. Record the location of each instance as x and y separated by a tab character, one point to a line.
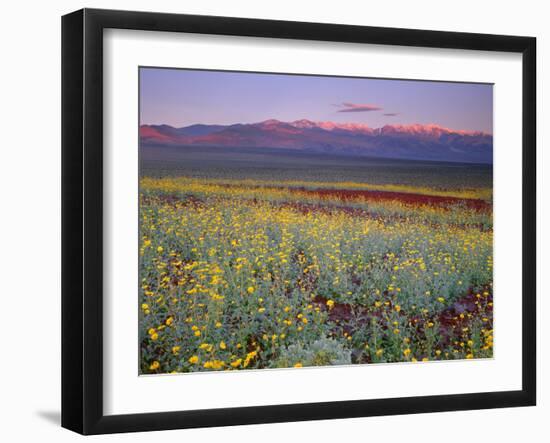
277	272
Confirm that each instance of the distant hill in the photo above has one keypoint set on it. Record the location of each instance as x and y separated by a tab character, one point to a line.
414	142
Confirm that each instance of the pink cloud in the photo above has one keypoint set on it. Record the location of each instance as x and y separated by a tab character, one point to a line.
356	107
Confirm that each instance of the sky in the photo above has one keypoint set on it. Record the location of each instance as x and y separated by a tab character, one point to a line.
180	97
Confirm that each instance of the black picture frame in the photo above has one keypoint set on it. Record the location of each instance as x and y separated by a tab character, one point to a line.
82	219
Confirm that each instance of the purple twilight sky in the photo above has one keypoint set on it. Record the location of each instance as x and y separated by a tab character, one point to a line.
180	97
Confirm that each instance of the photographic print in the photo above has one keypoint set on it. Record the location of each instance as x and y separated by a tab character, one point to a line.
290	221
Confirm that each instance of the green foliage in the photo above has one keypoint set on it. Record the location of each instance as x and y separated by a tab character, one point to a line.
321	352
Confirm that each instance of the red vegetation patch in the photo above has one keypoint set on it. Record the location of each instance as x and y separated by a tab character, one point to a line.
457	316
452	320
405	197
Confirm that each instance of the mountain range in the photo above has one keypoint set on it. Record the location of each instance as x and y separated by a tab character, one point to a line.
414	142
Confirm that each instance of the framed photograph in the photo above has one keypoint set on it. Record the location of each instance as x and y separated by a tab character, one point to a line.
269	221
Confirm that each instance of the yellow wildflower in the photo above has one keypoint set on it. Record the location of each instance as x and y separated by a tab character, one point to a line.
214	364
249	357
154	366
